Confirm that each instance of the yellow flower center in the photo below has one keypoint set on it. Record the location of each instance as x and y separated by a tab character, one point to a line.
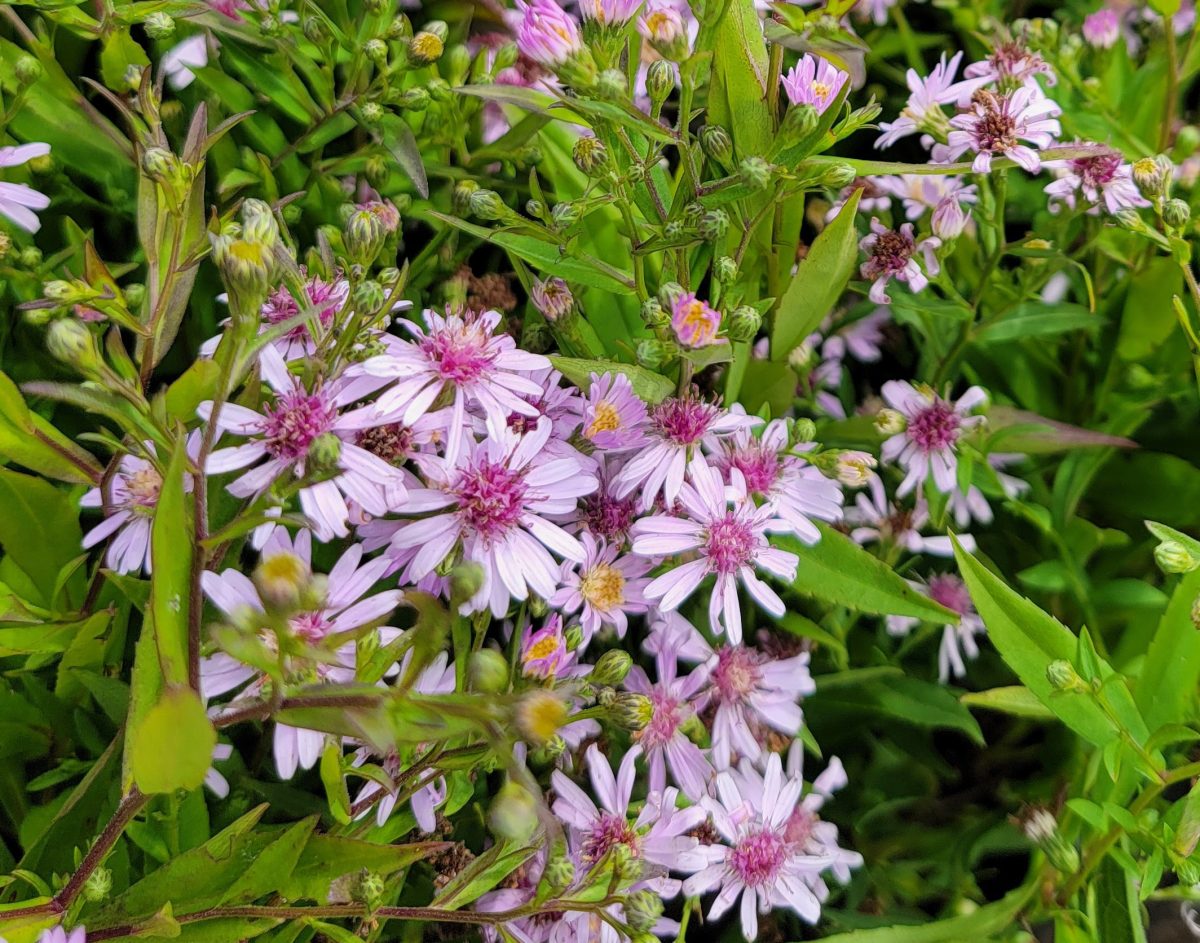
542	648
821	90
605	420
603	587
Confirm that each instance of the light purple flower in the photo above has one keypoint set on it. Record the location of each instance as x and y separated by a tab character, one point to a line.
544	653
995	125
662	23
957	640
552	297
805	829
1105	179
949	219
614	417
497	501
1102	29
694	322
609	12
891	255
862	338
607	586
282	436
663	741
17	200
923	113
346	606
874	519
874	197
59	935
814	81
462	353
547	34
1012	65
602	513
923	192
728	534
214	781
678	427
929	443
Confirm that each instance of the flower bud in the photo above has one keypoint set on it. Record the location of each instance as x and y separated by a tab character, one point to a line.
461	197
725	270
1042	829
632	711
837	176
1063	677
669	293
590	155
853	468
564	215
31	257
713	224
800	357
439	89
717	143
611	667
370	113
573	637
315	30
457	64
800	121
364	234
159	164
611	85
643	909
505	57
949	219
539	714
1176	213
1129	218
367	887
98	885
487	671
552	297
28	70
890	422
324	453
653	314
159	25
369	297
660	81
281	580
426	47
755	172
70	341
258	222
559	872
1151	177
1187	142
744	323
653	354
466	579
663	26
132	77
1173	557
801	431
513	814
376	50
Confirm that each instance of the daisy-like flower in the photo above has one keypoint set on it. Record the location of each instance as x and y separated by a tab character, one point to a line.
805	829
60	935
663	25
346	606
1012	65
17	200
928	445
694	322
874	519
1102	29
544	653
757	862
665	745
861	339
496	501
875	197
547	34
923	192
814	81
614	417
796	490
728	534
678	427
995	125
131	500
607	586
957	640
658	837
463	353
609	12
923	114
949	219
552	297
301	425
891	255
1105	179
605	515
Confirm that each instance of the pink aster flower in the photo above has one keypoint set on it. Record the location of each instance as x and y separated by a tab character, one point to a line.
1102	29
552	297
283	438
923	192
814	81
496	501
796	490
662	23
547	34
995	125
59	935
614	417
18	201
658	837
694	322
862	339
1011	66
602	513
347	606
728	535
678	427
1104	179
929	443
891	254
874	519
609	12
957	640
949	219
607	586
544	653
805	829
462	353
923	113
757	862
665	745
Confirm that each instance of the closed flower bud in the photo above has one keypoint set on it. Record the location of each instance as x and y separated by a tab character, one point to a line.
559	872
487	671
461	197
539	714
98	885
1150	177
801	431
717	143
369	297
1173	557
669	293
573	637
1176	213
371	113
692	213
70	341
457	63
643	909
744	323
1042	829
755	172
837	176
505	57
377	170
426	47
158	163
949	219
800	121
159	25
535	208
889	422
315	30
367	888
31	257
465	580
399	27
553	298
725	270
439	89
281	580
653	354
653	313
1187	870
675	229
611	85
611	667
713	224
1063	677
324	453
258	222
513	814
590	155
376	50
1129	218
28	70
660	81
853	468
632	711
800	357
564	215
1187	141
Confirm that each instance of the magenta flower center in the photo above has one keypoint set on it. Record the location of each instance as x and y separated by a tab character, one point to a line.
457	354
310	626
393	443
758	465
951	592
608	517
609	831
935	427
737	673
995	128
889	254
758	858
668	713
1097	171
683	421
294	421
490	499
729	544
799	827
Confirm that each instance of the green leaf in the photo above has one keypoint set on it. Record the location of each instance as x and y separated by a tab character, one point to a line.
1029	640
483	874
326	858
171	544
398	138
1118	912
197	384
39	529
907	700
1037	319
336	793
1166	688
173	744
737	96
650	386
1148	318
839	571
976	926
273	866
118	52
29	440
1016	700
818	283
